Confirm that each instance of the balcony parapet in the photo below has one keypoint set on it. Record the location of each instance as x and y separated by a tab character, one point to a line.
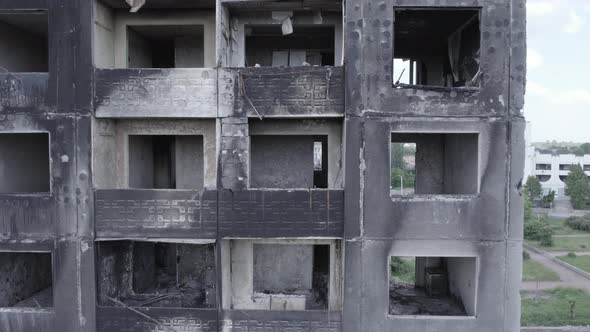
113	319
290	91
156	93
26	216
260	213
22	91
136	213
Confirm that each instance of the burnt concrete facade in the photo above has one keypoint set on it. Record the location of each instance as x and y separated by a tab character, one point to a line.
179	254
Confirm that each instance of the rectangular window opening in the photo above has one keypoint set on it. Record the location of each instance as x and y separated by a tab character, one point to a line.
403	168
434	164
543	167
24	163
24	41
564	167
26	280
166	162
165	46
437	47
320	162
289	161
160	34
156	274
292	277
432	286
268	45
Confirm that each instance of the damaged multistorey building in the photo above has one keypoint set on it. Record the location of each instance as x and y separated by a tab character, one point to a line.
260	165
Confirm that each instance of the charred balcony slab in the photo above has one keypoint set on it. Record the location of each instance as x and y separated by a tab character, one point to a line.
22	92
129	213
121	319
291	91
281	213
156	93
304	321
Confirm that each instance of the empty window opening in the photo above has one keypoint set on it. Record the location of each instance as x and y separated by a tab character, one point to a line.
320	162
289	161
586	168
433	163
437	47
307	45
403	168
24	162
23	41
26	280
565	167
563	178
432	286
543	178
543	167
292	277
156	274
166	162
165	46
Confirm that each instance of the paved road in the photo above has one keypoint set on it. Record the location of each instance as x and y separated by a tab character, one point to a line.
568	278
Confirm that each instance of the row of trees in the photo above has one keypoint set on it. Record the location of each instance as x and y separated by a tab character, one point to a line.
577	187
536	228
556	148
534	191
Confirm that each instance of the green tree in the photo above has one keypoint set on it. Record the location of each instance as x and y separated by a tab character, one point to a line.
586	148
548	199
533	188
577	187
397	156
538	229
528	208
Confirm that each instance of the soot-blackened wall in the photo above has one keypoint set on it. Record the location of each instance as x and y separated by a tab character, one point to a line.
89	113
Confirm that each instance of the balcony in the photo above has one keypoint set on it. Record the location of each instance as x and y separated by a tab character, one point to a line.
132	213
22	92
281	213
156	93
291	91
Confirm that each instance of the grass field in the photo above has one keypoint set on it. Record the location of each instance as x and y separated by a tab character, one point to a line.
566	244
534	271
559	227
581	262
552	307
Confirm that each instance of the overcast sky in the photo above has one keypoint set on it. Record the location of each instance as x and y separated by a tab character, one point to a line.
558	83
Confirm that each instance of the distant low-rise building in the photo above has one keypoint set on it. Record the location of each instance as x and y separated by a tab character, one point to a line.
553	169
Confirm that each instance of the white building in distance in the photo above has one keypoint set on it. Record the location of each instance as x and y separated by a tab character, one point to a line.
551	169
